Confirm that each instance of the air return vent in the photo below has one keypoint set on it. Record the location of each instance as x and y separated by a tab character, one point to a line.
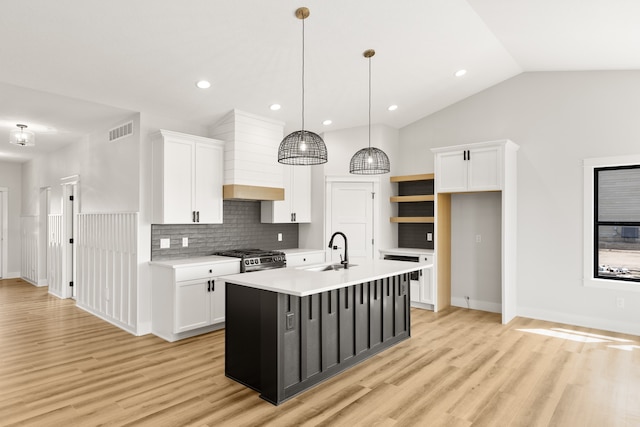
121	131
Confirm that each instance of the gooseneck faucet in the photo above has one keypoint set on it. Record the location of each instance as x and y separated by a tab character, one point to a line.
344	261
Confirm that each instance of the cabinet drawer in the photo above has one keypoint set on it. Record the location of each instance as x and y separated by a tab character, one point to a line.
207	270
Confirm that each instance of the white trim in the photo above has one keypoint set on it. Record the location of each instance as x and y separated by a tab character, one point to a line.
587	272
632	328
4	235
492	307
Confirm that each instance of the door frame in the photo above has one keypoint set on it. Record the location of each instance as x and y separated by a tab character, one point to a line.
375	209
4	230
69	188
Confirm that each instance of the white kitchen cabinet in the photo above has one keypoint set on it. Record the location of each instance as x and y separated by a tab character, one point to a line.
473	167
303	257
296	206
187	179
188	298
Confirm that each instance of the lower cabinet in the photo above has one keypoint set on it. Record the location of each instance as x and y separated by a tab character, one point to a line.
422	289
187	299
198	303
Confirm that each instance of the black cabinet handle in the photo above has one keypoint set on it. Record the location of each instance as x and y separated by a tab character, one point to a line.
468	154
197	216
213	286
209	286
193	216
464	155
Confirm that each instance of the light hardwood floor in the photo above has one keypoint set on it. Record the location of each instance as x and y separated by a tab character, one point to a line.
60	366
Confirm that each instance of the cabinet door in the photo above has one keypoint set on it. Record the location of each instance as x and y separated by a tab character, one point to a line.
485	172
217	302
208	183
178	194
191	305
451	172
301	193
426	286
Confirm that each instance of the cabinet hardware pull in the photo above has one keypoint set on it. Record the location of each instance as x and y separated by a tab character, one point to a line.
464	155
209	287
193	216
213	286
197	216
468	154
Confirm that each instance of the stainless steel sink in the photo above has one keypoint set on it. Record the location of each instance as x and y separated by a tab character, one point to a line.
329	267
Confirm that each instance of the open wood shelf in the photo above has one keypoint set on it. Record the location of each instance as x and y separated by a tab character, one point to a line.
420	177
414	219
421	198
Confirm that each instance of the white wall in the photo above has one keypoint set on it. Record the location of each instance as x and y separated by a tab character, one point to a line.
10	178
558	119
341	146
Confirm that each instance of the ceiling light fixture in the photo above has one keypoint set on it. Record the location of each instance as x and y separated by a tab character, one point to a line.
460	73
392	107
302	147
203	84
327	122
369	160
274	107
22	137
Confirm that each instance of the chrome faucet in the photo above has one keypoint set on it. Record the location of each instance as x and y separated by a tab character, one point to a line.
344	261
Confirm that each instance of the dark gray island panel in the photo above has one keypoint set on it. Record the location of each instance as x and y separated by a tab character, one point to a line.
281	345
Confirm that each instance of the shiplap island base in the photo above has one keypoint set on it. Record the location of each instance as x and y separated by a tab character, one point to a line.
289	329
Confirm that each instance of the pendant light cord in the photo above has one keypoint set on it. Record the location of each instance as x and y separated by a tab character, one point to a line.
302	128
369	103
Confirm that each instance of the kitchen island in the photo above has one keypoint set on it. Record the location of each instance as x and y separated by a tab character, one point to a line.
290	329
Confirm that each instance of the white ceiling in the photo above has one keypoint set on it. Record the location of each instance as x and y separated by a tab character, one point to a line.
71	65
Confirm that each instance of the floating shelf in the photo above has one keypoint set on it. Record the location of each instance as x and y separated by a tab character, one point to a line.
413	219
404	178
421	198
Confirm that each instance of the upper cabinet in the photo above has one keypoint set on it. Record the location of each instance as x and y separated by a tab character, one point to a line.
296	206
187	179
473	167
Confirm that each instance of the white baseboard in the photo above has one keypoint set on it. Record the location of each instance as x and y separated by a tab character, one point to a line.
576	320
491	307
11	275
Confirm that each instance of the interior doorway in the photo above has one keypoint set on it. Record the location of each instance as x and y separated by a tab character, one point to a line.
351	207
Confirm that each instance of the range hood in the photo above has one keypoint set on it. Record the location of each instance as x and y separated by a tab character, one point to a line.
251	168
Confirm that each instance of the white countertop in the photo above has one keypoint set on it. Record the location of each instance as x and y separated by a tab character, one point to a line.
302	282
193	262
294	251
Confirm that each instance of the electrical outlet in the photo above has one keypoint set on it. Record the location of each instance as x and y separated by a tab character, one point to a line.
165	243
478	238
279	237
185	242
429	237
620	302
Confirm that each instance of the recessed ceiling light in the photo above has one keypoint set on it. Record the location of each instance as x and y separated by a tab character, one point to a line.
392	107
274	107
203	84
327	122
460	73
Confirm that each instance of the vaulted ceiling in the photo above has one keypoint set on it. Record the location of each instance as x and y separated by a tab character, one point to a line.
70	65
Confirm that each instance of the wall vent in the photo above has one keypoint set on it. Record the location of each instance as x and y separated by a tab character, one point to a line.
121	131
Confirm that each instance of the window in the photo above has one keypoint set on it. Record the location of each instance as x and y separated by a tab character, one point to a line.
612	223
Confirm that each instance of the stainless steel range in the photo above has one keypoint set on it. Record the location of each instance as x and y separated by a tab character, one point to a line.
256	259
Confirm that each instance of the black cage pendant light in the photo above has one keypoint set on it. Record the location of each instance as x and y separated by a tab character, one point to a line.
369	160
302	147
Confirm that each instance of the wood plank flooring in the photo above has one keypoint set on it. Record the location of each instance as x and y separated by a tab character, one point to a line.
60	366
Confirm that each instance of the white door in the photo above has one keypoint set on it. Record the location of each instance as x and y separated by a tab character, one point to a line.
351	212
